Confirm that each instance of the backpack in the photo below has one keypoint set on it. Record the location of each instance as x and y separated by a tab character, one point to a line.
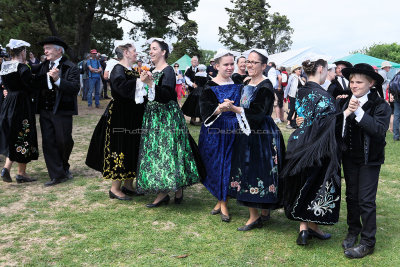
284	75
394	86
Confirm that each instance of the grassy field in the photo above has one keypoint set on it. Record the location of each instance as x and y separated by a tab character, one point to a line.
75	223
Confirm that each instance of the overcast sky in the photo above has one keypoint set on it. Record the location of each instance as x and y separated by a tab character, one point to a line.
335	27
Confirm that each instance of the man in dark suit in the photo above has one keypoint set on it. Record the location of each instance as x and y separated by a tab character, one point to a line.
366	120
58	82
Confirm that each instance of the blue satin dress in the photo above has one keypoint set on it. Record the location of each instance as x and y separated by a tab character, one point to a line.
216	139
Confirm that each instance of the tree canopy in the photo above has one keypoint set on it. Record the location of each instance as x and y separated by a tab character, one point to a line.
186	43
251	25
90	23
389	52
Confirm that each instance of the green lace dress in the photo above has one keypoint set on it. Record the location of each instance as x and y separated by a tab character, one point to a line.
168	156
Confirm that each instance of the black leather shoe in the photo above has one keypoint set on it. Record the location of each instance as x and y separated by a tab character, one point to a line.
303	238
178	200
256	224
129	192
69	175
22	179
313	233
165	200
114	196
349	241
56	181
215	212
5	175
225	218
359	251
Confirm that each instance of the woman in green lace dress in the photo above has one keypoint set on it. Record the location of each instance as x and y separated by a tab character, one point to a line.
168	156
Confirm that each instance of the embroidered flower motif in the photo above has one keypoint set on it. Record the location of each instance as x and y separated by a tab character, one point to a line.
23	151
272	188
325	200
238	188
19	148
252	190
26	143
25	122
276	159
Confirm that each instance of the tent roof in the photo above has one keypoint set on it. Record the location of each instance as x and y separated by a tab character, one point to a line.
361	58
297	56
184	62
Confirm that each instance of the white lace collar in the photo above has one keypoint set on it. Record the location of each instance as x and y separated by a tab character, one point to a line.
9	67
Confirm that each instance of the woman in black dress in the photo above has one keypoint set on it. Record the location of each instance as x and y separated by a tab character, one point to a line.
311	181
18	138
257	154
241	74
115	142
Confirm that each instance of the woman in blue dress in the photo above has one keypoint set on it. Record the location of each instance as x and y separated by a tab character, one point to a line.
218	131
257	152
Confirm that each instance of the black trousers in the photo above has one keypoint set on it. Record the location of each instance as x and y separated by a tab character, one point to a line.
57	142
292	111
105	87
361	187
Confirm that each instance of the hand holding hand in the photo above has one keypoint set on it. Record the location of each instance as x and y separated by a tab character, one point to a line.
353	106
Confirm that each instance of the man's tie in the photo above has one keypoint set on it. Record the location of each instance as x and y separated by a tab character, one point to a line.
344	84
51	65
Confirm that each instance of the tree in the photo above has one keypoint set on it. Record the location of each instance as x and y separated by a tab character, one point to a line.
206	56
87	24
389	52
251	25
186	43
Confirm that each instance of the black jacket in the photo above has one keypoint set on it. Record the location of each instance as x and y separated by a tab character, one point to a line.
374	125
66	94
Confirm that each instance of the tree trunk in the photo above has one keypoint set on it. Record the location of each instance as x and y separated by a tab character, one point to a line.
85	20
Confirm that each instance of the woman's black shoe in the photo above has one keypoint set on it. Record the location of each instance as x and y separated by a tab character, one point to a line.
178	200
215	212
225	218
318	235
256	224
129	192
112	196
303	237
5	175
159	203
22	179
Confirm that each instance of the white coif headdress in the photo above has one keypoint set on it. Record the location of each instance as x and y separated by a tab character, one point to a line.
258	50
223	52
152	39
13	44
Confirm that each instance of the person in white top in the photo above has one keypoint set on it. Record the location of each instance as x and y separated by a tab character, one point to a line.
295	81
385	68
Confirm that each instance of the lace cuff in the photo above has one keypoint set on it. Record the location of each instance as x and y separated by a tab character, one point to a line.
140	92
152	92
210	120
243	123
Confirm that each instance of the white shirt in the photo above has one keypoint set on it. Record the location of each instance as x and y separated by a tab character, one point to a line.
110	64
187	79
57	83
341	79
272	76
359	112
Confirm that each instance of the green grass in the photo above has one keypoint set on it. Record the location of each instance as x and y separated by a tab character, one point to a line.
76	224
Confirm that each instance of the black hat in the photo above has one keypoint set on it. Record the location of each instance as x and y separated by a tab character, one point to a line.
366	69
54	40
346	63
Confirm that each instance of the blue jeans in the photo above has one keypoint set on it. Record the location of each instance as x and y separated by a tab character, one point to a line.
94	84
396	120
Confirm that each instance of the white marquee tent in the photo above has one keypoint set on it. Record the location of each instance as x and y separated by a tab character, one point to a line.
297	56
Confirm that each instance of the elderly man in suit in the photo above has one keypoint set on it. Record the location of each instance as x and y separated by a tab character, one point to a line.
57	79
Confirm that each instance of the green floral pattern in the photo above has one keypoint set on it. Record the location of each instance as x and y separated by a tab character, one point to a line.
22	145
166	158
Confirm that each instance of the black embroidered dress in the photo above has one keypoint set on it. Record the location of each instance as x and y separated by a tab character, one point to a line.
258	155
18	137
311	182
114	146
